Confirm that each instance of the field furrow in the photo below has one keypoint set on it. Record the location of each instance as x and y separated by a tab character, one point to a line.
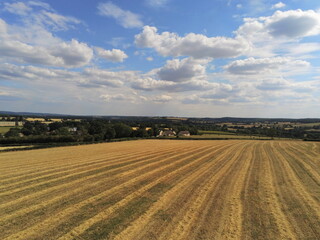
162	189
96	181
299	206
151	223
67	212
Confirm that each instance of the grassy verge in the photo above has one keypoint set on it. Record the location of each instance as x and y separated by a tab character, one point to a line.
215	132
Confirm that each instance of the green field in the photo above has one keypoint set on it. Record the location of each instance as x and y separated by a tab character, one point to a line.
215	132
4	130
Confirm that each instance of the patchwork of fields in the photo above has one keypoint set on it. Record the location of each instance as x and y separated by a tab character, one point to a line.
163	189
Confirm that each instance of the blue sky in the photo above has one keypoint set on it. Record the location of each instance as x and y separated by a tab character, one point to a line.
214	58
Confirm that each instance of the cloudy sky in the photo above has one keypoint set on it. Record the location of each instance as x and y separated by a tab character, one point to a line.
207	58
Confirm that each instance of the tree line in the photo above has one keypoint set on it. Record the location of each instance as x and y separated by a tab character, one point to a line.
94	130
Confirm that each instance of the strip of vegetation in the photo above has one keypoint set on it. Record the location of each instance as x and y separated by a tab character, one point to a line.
45	132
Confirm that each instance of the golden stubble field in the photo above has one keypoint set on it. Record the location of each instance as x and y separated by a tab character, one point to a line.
163	189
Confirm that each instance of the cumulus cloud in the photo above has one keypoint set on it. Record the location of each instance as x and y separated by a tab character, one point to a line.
273	84
294	24
64	54
88	78
117	97
125	18
278	5
32	42
152	84
162	98
217	93
281	84
100	77
183	70
114	55
254	66
73	54
194	45
286	24
220	91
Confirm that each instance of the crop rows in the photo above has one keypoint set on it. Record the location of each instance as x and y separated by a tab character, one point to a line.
163	189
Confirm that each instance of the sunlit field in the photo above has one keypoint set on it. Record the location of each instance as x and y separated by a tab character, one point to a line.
163	189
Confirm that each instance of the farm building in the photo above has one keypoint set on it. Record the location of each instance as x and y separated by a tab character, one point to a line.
167	133
184	133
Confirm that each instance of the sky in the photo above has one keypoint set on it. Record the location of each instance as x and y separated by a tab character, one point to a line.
206	58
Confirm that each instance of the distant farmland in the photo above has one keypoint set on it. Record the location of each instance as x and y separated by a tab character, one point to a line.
163	189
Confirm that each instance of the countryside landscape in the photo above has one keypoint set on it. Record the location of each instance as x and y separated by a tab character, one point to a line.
213	184
160	120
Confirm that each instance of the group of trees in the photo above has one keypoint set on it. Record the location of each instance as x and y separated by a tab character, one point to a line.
271	131
95	129
87	131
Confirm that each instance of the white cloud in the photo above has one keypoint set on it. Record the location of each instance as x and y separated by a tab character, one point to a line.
117	97
176	75
288	25
56	21
294	24
157	3
64	54
273	84
39	4
151	84
34	44
194	45
73	54
88	78
10	95
162	98
183	70
281	33
98	77
118	42
39	13
297	49
19	8
254	66
220	91
278	5
125	18
114	55
150	59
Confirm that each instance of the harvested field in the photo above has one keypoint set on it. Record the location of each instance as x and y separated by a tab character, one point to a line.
163	189
15	147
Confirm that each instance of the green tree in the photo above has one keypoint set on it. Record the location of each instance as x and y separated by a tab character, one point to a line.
122	130
13	132
63	131
109	133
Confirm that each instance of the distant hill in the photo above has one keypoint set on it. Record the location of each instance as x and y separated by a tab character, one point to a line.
30	114
171	118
